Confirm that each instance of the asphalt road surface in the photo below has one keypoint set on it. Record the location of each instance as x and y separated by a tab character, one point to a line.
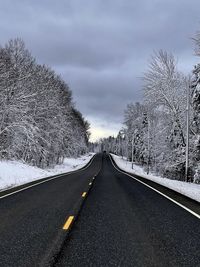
31	220
125	223
121	223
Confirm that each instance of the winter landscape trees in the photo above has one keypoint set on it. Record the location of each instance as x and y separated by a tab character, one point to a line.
38	121
155	130
40	125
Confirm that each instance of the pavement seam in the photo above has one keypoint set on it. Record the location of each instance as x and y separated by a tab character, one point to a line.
52	255
157	191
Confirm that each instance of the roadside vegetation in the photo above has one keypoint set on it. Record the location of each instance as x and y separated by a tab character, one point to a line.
154	133
39	123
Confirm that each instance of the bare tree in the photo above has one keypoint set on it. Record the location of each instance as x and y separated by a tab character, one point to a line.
37	120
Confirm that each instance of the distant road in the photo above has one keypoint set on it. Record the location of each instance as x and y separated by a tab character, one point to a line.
121	223
30	220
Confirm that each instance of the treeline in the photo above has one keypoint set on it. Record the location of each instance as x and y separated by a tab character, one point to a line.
154	131
38	121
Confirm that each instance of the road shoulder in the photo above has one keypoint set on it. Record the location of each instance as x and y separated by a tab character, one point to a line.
178	197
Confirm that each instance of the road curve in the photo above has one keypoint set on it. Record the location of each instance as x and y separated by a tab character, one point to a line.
30	220
125	223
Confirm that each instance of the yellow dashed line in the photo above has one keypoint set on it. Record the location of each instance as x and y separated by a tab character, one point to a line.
68	223
84	194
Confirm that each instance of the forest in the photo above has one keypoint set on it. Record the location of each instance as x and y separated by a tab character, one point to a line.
155	130
39	123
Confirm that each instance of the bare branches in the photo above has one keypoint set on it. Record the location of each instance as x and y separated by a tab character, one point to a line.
38	123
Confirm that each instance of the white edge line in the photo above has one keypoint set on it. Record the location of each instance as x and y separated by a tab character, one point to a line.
47	180
169	198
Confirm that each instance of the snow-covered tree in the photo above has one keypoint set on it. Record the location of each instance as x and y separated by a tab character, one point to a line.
38	121
136	122
165	93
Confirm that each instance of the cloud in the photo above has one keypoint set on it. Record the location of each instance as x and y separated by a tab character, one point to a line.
101	47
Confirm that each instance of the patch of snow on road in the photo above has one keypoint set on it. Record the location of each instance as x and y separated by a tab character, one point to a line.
14	173
190	190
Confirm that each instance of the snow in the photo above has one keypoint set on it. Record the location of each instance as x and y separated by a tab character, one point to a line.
190	190
14	173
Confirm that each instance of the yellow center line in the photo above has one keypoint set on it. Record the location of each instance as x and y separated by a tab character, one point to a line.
68	223
84	194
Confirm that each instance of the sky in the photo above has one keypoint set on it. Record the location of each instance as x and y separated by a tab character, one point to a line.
101	48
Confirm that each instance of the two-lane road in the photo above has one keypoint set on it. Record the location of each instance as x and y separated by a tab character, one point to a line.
124	223
31	219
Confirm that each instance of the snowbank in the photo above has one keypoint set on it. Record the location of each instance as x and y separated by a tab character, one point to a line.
14	173
188	189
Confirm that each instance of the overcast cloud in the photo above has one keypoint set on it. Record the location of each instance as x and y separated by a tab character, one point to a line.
102	47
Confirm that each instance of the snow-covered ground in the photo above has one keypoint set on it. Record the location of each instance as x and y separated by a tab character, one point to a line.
14	173
188	189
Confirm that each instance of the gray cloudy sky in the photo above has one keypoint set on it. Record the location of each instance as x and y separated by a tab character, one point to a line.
101	47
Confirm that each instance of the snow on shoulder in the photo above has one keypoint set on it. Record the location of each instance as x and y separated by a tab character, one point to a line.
190	190
14	173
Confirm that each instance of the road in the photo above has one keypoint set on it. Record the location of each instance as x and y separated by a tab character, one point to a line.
125	223
121	223
30	220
